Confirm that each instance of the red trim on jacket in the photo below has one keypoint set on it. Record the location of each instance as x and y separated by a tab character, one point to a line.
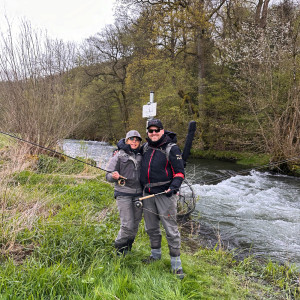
173	172
149	167
179	175
176	174
166	168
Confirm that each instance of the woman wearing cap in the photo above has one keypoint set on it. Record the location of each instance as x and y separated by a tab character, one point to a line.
127	162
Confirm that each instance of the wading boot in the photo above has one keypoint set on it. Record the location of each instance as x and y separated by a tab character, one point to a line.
155	255
179	273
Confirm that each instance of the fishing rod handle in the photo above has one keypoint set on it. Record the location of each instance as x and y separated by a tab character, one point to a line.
146	197
153	195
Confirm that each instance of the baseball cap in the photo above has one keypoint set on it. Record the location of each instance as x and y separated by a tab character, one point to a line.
155	122
133	133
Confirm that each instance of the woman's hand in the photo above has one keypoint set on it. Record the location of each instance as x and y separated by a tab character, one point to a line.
115	175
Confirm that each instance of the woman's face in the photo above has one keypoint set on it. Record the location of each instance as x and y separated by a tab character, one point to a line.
134	142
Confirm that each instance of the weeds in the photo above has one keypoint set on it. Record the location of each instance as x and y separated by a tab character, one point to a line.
48	165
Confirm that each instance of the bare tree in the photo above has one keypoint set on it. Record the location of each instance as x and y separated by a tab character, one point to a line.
37	97
111	55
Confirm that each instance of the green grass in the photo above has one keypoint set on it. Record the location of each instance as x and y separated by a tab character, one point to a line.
65	165
247	159
73	256
251	160
5	141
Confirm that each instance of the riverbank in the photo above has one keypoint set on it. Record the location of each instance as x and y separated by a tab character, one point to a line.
58	223
252	160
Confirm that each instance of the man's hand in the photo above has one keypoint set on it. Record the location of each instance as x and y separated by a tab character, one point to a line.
169	192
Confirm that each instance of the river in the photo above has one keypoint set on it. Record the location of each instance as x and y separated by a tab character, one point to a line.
258	212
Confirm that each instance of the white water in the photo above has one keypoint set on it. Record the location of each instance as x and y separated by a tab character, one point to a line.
259	211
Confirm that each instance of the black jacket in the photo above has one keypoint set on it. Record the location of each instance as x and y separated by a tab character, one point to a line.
157	169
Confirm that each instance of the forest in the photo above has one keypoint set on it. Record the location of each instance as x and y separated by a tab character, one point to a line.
233	66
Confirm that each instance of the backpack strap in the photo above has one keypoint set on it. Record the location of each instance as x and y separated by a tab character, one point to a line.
166	151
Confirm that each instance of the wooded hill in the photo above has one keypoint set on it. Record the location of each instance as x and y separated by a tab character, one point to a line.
230	65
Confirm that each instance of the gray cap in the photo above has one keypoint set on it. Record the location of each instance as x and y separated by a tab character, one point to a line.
155	122
132	133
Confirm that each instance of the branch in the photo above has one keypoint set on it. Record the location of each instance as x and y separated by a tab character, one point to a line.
216	9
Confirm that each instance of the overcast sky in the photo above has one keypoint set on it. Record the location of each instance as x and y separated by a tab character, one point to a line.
70	20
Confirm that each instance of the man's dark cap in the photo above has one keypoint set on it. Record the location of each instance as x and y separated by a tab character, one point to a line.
155	122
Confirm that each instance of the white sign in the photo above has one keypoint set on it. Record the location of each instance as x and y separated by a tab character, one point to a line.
149	110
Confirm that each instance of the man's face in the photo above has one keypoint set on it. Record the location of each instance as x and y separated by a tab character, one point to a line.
153	135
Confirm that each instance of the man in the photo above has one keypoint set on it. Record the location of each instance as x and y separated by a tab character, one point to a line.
162	171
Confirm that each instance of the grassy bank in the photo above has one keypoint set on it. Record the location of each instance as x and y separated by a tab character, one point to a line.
252	160
58	224
247	159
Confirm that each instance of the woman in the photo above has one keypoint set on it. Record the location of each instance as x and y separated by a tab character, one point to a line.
126	162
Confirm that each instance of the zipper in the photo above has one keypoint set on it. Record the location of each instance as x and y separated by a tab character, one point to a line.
149	168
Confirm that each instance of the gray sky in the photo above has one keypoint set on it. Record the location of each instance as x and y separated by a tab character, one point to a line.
70	20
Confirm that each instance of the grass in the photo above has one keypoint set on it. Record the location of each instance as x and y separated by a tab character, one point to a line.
252	160
62	248
247	159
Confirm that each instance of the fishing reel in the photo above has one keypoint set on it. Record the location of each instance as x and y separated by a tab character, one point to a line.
138	203
121	181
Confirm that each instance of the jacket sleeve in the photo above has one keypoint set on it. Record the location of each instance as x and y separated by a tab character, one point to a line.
177	163
113	165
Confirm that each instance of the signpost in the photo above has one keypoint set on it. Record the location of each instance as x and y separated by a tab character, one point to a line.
149	110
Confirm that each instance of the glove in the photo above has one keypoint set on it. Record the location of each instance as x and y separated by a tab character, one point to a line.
170	193
175	184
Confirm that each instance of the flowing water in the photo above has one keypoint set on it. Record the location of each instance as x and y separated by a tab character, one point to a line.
252	210
98	151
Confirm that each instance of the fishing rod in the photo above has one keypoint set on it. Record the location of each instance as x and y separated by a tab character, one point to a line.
121	181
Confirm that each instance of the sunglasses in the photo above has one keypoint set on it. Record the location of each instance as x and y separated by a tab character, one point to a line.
134	139
154	130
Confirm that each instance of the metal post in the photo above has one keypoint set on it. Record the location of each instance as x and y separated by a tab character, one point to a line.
151	101
149	110
151	97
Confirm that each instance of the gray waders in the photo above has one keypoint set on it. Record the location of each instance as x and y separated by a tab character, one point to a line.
161	208
130	217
